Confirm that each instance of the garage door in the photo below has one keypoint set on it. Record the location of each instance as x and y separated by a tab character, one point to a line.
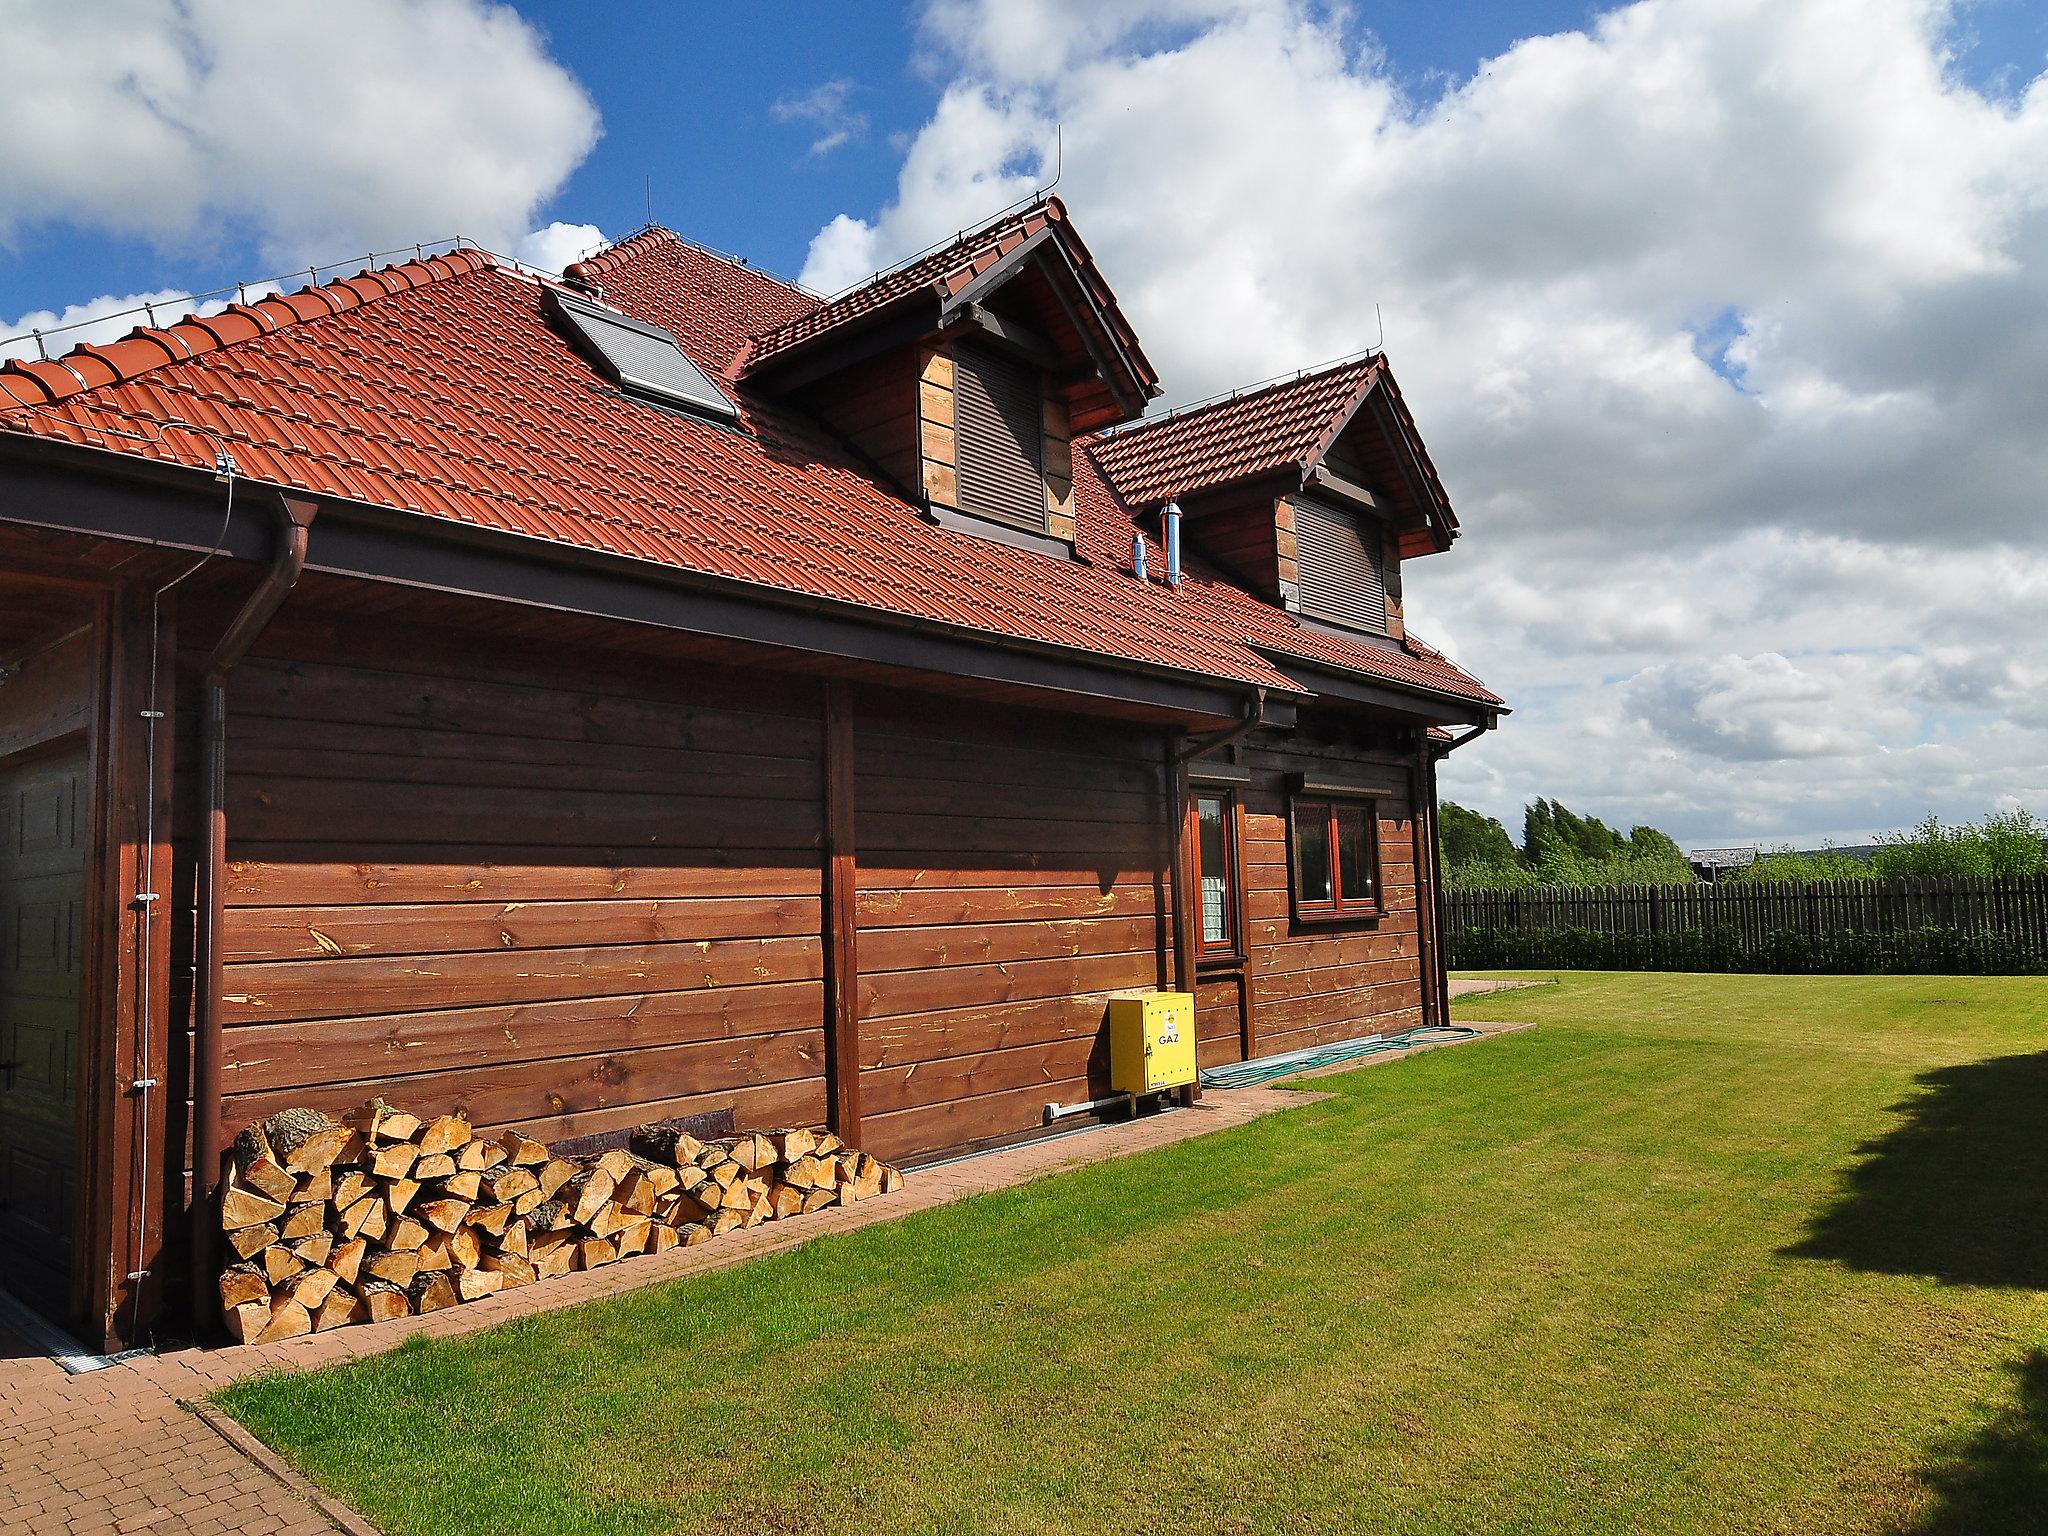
43	840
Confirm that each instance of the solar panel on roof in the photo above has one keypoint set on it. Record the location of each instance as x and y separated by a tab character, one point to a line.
642	358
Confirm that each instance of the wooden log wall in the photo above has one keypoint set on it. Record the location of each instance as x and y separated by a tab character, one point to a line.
1013	872
575	904
1312	983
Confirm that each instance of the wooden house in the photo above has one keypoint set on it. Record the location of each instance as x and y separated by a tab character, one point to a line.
658	691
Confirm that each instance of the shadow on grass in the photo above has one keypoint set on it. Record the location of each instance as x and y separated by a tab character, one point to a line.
1958	1190
1995	1479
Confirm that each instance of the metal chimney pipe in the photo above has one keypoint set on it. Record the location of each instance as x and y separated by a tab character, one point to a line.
1138	556
1169	517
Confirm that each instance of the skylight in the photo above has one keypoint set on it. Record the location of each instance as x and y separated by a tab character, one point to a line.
643	359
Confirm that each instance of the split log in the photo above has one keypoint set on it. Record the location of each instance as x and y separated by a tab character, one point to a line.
314	1187
342	1308
398	1268
442	1215
553	1253
394	1161
379	1122
347	1260
257	1166
279	1264
303	1221
553	1174
288	1320
351	1185
313	1288
304	1140
383	1300
433	1165
512	1269
406	1234
250	1241
793	1144
314	1249
247	1320
242	1206
594	1252
398	1194
431	1291
521	1150
478	1154
241	1284
445	1133
666	1142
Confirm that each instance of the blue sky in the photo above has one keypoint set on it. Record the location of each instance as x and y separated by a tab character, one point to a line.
1725	320
688	95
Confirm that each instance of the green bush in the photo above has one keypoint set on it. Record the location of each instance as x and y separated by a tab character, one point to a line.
1917	951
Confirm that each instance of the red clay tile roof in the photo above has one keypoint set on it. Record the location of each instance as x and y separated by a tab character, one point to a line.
438	388
943	273
712	304
1242	437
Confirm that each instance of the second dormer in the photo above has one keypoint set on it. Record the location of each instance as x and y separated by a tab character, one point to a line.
965	374
1310	491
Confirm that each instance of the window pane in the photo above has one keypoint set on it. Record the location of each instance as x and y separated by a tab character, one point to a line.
1212	827
1312	852
1354	854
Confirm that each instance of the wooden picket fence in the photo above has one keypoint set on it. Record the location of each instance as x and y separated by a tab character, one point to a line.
1995	922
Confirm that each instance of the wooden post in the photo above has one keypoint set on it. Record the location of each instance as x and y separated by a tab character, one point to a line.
841	926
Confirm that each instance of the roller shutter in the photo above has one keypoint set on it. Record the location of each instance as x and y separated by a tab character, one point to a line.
1339	569
999	427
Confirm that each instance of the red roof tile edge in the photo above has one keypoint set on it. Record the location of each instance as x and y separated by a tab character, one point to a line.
37	383
944	270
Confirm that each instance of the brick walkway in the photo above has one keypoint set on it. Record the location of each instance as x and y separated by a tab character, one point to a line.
119	1450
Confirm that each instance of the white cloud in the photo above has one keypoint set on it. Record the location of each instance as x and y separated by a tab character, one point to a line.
1726	320
829	110
312	133
554	247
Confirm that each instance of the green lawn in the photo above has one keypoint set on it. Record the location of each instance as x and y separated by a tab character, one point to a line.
1712	1254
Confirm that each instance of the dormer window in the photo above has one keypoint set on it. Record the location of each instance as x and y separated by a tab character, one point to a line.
1340	568
999	438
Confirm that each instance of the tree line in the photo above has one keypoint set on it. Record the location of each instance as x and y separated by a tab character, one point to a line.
1561	847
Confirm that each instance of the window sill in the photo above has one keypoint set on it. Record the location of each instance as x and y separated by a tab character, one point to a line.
1216	960
1334	918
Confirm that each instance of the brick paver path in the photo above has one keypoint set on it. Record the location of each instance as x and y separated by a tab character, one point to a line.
118	1449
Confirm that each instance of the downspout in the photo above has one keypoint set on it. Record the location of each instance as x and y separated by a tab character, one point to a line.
1431	756
243	631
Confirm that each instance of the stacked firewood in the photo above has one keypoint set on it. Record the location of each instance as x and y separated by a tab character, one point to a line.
382	1213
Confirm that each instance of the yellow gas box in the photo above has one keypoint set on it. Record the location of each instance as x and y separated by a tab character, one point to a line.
1151	1041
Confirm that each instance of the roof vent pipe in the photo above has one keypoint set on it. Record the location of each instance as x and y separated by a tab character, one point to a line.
1138	556
1169	516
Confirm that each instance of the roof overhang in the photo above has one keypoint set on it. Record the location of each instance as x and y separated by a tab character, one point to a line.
1327	681
91	491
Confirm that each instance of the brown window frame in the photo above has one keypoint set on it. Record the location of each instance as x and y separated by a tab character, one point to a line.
1231	947
1302	811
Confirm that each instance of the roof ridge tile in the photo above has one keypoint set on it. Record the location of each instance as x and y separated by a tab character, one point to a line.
42	382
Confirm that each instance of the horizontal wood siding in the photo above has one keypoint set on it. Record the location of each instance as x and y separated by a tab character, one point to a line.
1313	983
1012	875
567	896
